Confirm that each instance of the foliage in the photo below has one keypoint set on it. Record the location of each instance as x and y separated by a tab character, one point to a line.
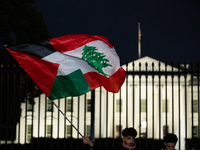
20	23
22	19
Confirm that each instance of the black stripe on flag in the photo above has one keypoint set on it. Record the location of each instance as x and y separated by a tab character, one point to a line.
40	50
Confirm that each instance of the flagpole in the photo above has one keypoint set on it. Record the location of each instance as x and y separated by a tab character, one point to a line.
139	40
92	115
67	118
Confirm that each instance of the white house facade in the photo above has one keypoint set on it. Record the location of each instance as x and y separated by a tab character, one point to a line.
152	104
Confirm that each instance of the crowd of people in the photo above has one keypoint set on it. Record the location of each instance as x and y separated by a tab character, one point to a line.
128	141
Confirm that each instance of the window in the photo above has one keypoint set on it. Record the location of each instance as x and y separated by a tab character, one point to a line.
88	130
143	105
49	105
29	106
119	105
165	130
29	132
69	130
195	106
69	105
195	131
88	105
118	131
164	105
49	131
143	132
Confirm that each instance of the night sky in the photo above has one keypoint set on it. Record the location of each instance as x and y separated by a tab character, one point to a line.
170	28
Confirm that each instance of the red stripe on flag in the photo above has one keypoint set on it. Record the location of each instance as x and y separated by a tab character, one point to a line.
71	42
42	72
111	84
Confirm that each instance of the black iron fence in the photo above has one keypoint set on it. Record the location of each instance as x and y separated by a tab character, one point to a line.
155	99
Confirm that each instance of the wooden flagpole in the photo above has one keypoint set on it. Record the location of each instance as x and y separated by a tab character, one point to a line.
67	119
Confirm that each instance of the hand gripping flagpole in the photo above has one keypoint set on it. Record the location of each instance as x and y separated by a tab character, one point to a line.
67	119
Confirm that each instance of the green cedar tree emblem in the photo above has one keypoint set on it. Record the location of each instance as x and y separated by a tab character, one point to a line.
95	59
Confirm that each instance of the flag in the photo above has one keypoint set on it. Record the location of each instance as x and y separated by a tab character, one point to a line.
71	65
139	40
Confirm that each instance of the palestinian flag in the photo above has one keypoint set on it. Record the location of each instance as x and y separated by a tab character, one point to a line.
71	65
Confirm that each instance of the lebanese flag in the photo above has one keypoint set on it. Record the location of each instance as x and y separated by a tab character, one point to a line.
71	65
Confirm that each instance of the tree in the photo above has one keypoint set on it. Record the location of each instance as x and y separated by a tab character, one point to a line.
95	59
20	23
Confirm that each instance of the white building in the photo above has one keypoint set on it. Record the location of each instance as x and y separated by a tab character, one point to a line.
173	93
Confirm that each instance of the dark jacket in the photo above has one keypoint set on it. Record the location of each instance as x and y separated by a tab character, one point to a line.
120	147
